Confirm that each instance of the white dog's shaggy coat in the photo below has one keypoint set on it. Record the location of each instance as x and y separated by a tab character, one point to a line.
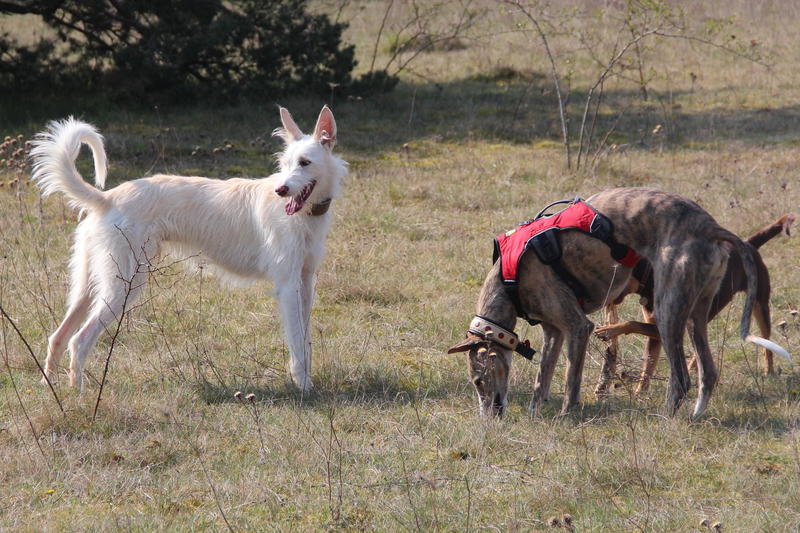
273	227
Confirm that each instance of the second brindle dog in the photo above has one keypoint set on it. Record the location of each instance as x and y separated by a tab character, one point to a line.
734	281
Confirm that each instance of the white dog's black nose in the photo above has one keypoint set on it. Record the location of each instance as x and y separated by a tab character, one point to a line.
283	190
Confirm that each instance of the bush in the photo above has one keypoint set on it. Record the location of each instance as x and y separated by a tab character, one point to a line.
155	50
376	81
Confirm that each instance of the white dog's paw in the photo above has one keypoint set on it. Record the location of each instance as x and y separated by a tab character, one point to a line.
76	380
51	376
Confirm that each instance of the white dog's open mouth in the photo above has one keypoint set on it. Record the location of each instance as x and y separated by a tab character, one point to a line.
298	200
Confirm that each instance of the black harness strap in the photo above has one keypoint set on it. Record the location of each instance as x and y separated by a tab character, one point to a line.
571	281
547	246
603	229
543	212
513	294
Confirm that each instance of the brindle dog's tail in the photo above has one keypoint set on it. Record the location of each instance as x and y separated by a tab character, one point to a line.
748	262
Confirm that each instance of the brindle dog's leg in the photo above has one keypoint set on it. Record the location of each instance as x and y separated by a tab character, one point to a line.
761	314
709	274
673	306
609	369
553	339
577	340
652	351
706	370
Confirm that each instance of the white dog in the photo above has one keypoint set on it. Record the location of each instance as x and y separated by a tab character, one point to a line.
246	228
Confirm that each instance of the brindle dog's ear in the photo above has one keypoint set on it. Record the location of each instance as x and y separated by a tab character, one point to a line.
466	345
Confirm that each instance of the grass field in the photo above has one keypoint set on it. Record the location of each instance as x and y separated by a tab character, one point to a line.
466	147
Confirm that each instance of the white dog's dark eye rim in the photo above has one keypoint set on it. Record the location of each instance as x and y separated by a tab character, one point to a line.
304	162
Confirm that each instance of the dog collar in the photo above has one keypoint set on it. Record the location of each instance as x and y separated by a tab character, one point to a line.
490	331
320	208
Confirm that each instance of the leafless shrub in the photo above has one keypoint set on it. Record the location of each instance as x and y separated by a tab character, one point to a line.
618	52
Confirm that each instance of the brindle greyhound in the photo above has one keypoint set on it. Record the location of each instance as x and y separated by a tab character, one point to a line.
734	281
688	251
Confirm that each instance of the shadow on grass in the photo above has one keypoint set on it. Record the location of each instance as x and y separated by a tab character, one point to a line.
731	411
504	107
736	410
515	112
757	421
604	409
371	387
761	408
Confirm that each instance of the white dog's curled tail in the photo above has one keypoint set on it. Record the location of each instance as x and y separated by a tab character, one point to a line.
769	345
54	153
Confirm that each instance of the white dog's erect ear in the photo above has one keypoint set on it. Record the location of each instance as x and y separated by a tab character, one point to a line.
325	130
292	131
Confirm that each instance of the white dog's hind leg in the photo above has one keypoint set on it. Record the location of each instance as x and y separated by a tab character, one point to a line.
78	307
119	272
82	343
291	298
109	307
57	342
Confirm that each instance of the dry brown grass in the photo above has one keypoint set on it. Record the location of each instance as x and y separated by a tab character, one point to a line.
390	440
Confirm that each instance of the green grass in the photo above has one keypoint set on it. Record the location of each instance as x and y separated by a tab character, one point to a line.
389	440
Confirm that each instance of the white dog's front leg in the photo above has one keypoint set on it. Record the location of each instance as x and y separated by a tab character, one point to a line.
307	287
295	317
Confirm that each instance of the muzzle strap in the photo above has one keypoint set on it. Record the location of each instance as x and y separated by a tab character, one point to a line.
486	329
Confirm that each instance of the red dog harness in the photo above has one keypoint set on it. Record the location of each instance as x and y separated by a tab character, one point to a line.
542	235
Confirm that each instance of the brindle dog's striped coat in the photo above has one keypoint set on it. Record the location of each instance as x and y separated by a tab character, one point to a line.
688	251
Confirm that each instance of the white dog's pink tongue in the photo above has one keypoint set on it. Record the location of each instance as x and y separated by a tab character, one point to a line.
293	206
299	200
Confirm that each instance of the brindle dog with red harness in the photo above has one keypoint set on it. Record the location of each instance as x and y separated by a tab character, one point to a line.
688	252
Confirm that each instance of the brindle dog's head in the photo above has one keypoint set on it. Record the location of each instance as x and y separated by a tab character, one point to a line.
489	367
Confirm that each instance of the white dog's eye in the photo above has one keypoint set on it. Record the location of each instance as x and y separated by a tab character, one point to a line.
304	162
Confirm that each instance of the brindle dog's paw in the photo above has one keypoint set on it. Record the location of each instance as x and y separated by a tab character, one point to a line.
606	333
